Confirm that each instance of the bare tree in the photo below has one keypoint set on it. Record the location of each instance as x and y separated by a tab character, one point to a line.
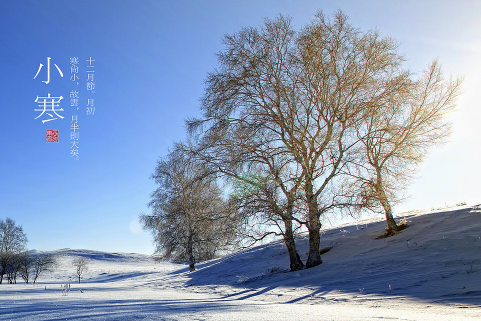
34	265
46	262
344	73
309	91
266	190
396	136
267	209
13	268
12	242
81	264
190	220
247	100
26	261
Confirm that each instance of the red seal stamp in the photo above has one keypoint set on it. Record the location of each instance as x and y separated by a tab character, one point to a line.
52	136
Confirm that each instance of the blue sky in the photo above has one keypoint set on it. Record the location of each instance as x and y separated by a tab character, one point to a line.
151	58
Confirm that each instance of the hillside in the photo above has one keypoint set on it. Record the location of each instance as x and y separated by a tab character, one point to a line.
436	259
432	270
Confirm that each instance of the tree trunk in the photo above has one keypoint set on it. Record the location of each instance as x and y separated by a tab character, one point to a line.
314	257
190	253
391	223
295	261
314	227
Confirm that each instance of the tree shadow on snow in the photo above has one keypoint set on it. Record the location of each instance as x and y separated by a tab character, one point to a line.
109	309
437	259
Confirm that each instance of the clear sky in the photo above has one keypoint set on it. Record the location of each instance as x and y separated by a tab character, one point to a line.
151	58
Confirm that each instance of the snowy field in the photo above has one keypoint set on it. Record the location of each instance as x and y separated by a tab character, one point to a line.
431	271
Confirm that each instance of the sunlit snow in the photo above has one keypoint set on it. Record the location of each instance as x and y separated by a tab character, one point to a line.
431	271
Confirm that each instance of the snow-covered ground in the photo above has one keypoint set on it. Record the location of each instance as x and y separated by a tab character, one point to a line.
431	271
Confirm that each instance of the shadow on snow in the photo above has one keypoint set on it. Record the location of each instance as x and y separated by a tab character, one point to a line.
437	259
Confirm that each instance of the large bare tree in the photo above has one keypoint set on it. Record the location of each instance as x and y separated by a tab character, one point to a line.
308	91
396	135
240	143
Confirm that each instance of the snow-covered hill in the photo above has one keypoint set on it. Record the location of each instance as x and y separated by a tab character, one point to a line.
432	270
437	259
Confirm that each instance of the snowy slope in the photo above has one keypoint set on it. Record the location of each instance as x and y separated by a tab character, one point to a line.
436	259
430	271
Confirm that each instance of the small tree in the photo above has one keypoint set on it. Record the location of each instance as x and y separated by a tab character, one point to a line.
34	264
26	261
13	268
43	262
81	264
